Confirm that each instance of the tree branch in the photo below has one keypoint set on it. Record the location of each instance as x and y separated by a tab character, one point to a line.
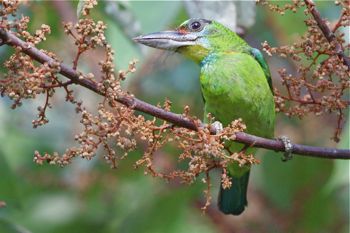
331	38
177	119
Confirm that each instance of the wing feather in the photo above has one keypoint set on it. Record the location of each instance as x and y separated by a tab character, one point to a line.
261	60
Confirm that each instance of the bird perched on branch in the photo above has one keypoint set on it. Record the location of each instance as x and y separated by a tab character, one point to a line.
235	82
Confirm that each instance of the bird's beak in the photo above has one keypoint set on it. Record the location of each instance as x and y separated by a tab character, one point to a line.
169	40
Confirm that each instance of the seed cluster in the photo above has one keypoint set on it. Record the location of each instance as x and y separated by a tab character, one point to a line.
25	78
322	78
293	6
113	128
88	5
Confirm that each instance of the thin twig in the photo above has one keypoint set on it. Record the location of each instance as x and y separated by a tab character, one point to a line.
327	32
177	119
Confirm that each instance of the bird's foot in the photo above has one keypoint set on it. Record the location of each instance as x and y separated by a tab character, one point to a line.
217	126
288	148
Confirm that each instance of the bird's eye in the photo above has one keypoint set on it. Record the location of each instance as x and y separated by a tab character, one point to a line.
195	26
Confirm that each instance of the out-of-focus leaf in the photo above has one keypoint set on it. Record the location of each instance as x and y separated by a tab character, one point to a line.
9	227
340	176
54	209
122	14
163	14
339	185
80	7
313	214
9	185
124	17
284	182
167	214
123	46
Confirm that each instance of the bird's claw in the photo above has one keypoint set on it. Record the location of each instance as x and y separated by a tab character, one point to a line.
288	148
217	126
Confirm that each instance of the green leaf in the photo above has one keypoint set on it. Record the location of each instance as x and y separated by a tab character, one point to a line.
8	227
8	185
284	182
80	7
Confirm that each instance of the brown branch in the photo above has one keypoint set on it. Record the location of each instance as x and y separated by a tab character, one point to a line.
327	32
177	119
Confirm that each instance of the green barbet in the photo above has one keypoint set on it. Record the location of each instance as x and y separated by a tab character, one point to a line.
235	82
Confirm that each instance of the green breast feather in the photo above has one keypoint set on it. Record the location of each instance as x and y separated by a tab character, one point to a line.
234	86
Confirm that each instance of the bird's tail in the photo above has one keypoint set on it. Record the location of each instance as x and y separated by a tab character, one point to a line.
234	199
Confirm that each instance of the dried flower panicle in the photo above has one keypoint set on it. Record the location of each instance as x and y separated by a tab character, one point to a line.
88	6
25	78
38	36
226	181
201	150
117	130
111	130
322	79
87	35
8	7
287	6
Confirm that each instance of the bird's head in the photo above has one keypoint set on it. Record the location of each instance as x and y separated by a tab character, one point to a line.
196	39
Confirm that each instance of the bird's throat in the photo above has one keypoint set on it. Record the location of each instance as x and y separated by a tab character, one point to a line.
195	52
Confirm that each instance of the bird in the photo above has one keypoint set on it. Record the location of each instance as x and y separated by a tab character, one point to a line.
235	83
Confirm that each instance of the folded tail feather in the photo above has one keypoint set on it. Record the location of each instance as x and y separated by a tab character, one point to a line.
233	200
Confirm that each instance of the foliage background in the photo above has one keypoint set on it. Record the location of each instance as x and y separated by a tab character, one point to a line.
303	195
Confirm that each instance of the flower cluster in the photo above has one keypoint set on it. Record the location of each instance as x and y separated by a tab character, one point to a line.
8	7
25	78
117	130
288	6
322	77
88	5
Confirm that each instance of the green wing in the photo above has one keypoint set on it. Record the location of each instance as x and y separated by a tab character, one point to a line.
260	59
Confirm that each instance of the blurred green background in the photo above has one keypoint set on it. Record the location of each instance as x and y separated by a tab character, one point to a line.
303	195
